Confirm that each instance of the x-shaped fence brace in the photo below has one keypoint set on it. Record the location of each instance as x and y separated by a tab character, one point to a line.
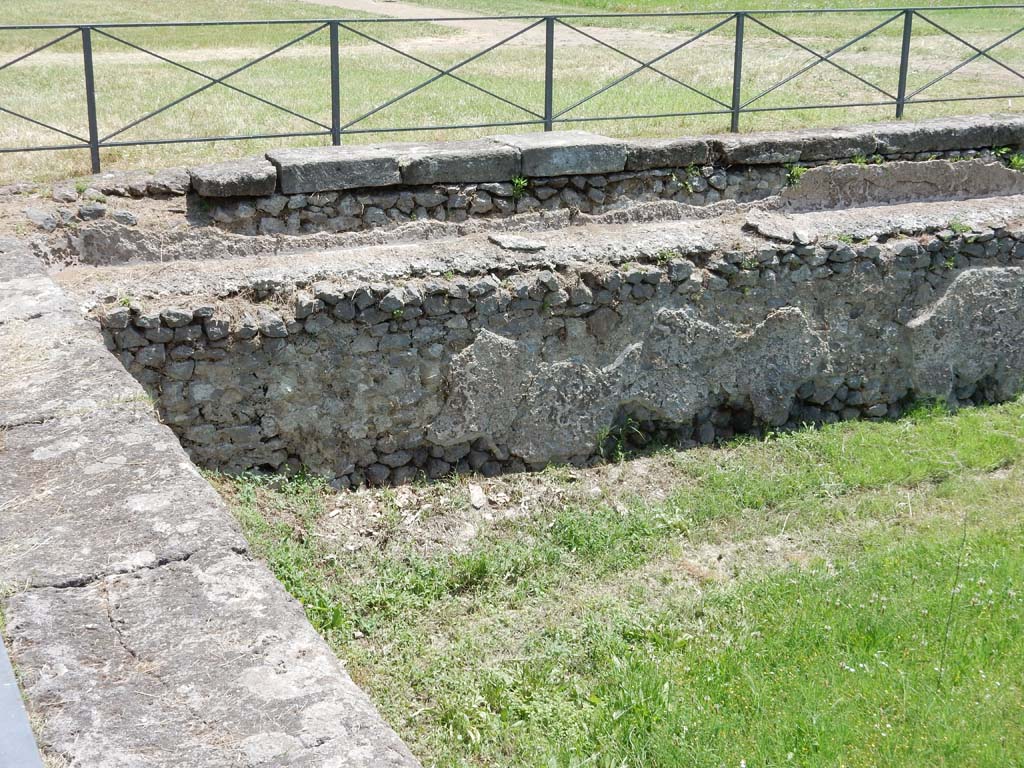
549	116
442	73
82	142
215	81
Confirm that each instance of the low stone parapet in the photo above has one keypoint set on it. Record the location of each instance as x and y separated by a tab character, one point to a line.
343	189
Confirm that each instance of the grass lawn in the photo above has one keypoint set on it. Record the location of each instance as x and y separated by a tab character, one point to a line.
846	596
660	6
49	86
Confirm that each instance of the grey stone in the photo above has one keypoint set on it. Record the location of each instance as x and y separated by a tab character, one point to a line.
774	148
319	169
116	318
129	338
271	325
949	133
458	161
273	204
945	339
561	153
127	218
644	154
175	317
516	242
169	182
235	178
181	370
838	144
64	193
501	189
41	218
152	356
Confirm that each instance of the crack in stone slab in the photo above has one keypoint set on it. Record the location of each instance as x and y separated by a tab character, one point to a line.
86	581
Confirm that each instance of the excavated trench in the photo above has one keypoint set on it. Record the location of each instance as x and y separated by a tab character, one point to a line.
491	353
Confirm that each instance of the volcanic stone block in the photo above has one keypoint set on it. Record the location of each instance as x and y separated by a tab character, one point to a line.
836	145
760	148
644	154
323	169
564	153
947	134
459	161
236	178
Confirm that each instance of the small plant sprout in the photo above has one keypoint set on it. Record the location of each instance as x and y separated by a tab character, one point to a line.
859	159
949	263
959	227
396	314
519	184
664	256
1014	160
793	174
613	442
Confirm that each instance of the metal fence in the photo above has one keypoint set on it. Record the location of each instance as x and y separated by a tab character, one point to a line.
911	20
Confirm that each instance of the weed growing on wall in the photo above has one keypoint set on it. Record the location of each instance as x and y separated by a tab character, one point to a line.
794	173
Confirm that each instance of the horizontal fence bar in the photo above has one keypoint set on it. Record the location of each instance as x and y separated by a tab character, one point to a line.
50	148
712	20
526	17
453	127
201	139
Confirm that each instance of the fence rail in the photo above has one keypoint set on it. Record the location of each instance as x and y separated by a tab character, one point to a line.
93	138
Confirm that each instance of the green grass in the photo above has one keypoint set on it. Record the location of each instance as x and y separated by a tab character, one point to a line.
657	6
30	12
580	636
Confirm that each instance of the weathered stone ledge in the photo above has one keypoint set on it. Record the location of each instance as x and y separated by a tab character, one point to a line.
573	153
341	189
142	631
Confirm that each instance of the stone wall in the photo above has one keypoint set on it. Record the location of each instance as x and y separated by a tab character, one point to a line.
550	348
343	189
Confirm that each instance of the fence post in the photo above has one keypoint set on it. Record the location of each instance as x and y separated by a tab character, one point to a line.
549	71
335	87
901	93
737	72
90	99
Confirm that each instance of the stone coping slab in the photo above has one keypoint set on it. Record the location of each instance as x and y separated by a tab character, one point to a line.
335	168
143	632
566	153
459	161
237	178
645	154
